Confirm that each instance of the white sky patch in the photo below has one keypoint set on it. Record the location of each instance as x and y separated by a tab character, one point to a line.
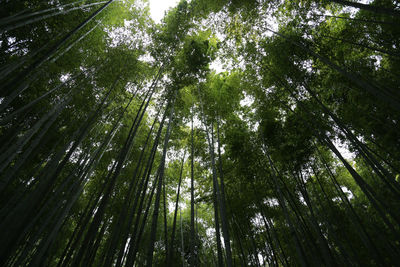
260	258
216	66
257	220
302	200
147	58
210	232
344	149
120	35
353	10
65	77
158	8
272	202
247	101
348	193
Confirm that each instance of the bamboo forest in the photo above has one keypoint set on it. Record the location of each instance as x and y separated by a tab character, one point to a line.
227	133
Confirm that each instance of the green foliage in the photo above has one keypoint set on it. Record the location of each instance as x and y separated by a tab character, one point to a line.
82	148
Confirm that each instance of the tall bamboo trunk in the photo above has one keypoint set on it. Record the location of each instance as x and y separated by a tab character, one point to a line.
154	225
15	86
193	253
374	9
171	252
15	23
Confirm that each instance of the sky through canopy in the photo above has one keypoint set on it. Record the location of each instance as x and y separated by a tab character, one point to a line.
158	7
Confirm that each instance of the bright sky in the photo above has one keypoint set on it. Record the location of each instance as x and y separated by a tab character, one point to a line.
158	7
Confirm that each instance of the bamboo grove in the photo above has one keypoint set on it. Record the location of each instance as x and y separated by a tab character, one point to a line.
121	145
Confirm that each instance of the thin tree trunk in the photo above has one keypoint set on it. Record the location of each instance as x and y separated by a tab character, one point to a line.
193	254
363	185
171	252
380	93
24	23
76	231
328	256
224	217
183	245
12	151
269	227
21	15
241	254
217	229
16	167
74	245
36	64
165	222
135	237
159	187
366	189
122	227
27	208
332	231
371	8
355	19
113	176
216	198
131	257
282	203
375	49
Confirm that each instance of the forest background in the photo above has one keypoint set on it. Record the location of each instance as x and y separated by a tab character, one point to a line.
121	145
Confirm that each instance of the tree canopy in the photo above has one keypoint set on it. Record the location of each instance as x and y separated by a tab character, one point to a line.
231	133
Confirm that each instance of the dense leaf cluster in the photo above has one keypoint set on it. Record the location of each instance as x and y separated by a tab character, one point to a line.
121	145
